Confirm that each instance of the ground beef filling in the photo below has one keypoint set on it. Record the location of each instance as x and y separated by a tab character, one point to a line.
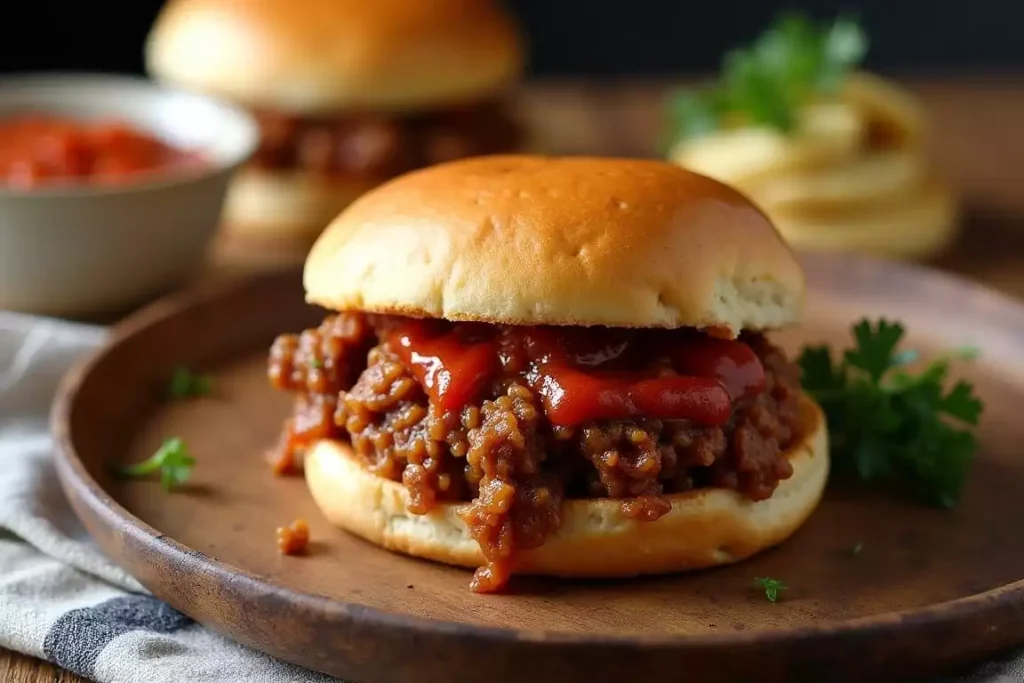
377	147
500	452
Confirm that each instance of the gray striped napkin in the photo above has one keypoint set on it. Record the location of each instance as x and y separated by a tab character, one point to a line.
61	600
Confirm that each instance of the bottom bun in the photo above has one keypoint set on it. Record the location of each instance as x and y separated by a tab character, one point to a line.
287	204
705	528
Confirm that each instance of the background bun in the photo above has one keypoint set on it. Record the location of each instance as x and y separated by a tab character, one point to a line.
559	240
294	205
322	56
705	528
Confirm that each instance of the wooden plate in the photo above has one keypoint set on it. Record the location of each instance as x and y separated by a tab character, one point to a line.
929	590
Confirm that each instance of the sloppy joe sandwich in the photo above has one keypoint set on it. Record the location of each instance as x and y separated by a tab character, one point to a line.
348	93
554	366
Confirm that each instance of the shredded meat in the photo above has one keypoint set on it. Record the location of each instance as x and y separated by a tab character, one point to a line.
517	503
316	366
502	458
380	146
293	539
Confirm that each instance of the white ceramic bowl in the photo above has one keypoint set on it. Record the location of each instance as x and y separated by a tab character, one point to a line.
81	250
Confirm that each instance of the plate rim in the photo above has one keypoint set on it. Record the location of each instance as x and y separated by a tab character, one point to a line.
74	475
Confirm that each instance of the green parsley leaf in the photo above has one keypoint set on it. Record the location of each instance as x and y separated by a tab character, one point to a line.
187	384
172	460
876	348
766	82
316	364
819	374
772	587
845	47
888	425
966	352
698	114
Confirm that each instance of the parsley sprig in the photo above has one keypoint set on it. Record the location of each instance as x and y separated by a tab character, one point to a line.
188	384
890	425
172	460
765	83
772	587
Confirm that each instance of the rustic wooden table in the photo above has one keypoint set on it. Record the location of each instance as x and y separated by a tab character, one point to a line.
978	140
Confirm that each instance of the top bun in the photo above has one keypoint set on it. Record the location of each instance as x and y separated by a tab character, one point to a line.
320	56
559	241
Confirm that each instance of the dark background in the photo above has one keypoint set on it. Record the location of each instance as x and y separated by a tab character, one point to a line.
580	37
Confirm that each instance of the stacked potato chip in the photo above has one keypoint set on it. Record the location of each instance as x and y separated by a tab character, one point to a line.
852	175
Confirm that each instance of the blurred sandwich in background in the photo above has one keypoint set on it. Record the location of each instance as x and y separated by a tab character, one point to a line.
348	93
836	156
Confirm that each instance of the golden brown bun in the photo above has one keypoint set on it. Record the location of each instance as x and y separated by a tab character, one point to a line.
287	204
315	56
705	528
562	241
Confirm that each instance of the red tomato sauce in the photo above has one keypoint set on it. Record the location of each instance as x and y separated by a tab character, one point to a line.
585	375
41	150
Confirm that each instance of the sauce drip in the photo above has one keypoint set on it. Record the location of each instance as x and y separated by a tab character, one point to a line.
451	369
584	374
733	362
572	397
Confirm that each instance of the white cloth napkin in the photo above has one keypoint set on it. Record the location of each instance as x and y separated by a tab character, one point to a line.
63	601
60	598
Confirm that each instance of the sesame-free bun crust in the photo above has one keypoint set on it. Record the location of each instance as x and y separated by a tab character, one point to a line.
319	56
284	204
562	241
705	528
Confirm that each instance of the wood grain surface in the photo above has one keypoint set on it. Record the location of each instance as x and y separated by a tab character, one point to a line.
977	142
17	668
934	588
